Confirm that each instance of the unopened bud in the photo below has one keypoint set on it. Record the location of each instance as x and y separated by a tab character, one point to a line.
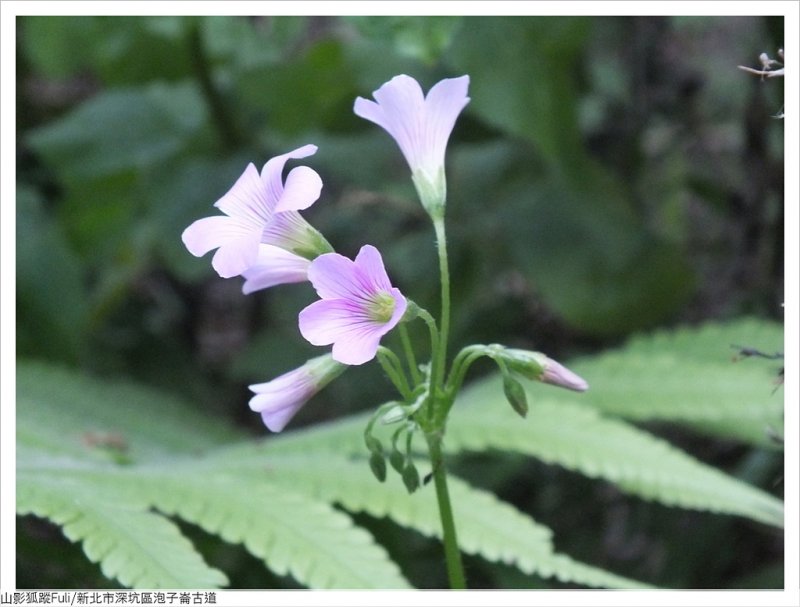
411	477
378	466
515	394
558	375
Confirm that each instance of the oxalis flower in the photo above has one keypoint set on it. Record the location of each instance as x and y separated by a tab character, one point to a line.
262	210
278	400
421	127
358	305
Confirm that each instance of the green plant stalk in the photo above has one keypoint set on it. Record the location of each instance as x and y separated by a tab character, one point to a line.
452	554
444	327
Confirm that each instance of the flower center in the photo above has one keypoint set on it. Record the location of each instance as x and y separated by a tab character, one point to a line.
381	307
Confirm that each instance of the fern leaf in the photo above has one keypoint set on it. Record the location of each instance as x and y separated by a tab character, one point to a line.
291	533
690	376
580	439
487	526
136	547
73	412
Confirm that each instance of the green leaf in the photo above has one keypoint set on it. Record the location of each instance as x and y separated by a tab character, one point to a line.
66	424
136	547
122	129
422	38
527	84
292	533
60	411
486	526
689	376
579	438
47	326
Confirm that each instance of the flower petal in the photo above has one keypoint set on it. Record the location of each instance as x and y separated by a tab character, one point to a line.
272	173
399	108
247	200
274	266
301	190
280	399
334	276
371	271
236	239
324	321
442	106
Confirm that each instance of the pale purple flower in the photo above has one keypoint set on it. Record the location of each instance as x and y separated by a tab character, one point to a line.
278	400
358	305
274	266
260	209
420	125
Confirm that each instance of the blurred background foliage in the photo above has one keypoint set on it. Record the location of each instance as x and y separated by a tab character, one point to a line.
609	176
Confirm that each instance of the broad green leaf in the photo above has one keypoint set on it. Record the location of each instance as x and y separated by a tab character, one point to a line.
527	84
422	38
62	46
122	129
47	326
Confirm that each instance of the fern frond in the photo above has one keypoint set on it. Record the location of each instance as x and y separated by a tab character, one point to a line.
487	527
581	439
691	376
292	534
136	547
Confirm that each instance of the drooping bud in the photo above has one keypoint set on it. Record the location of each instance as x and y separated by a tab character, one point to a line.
539	367
515	394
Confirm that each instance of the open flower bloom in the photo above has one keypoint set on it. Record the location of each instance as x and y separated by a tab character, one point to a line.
358	305
420	125
260	209
278	400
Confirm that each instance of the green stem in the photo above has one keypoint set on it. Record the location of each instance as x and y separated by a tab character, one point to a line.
410	357
455	570
394	370
222	120
444	271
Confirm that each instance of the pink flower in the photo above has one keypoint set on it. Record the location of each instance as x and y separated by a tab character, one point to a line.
278	400
358	305
260	209
274	266
420	125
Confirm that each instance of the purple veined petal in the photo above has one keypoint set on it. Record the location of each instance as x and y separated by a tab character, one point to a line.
272	173
371	270
274	266
236	241
247	200
335	276
444	103
354	336
301	190
323	322
280	399
400	105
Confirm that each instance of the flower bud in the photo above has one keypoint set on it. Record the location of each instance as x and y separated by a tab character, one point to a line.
539	367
